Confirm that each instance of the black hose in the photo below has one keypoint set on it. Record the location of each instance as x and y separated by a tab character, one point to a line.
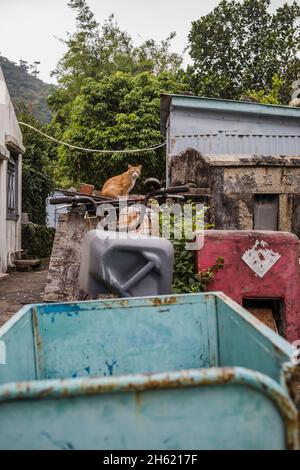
74	200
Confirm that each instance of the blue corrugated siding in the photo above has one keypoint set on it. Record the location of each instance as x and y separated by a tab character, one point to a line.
232	131
230	143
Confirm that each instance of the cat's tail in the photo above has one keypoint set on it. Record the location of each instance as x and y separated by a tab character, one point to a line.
97	193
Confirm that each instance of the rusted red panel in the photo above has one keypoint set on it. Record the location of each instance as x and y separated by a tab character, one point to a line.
257	264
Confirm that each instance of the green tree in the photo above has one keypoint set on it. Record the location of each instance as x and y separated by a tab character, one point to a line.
241	46
108	98
271	95
120	111
95	51
37	181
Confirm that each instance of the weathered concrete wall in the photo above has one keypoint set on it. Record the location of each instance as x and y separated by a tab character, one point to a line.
235	180
259	180
224	209
62	281
286	213
245	212
188	167
295	221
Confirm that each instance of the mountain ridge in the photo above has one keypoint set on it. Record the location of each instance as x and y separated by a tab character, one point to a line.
26	88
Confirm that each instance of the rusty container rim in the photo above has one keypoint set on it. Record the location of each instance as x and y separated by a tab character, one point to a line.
73	387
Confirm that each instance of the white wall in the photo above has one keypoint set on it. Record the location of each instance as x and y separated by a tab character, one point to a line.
10	231
8	120
3	252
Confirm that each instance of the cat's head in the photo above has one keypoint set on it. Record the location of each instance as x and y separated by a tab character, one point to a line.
134	171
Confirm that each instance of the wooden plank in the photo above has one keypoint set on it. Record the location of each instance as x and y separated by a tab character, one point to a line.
265	315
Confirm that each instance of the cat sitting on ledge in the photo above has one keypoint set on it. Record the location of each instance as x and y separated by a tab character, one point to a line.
121	185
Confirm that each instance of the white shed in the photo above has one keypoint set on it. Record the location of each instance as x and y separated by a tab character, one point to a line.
11	150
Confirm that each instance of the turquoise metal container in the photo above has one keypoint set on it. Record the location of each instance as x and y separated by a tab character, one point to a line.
191	371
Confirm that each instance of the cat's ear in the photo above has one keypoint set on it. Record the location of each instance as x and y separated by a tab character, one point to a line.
129	167
140	167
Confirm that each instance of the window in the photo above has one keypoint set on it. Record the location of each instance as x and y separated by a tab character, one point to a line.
12	188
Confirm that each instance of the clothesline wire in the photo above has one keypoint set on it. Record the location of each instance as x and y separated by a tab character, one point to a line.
76	147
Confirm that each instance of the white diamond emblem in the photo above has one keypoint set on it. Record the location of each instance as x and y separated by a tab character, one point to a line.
259	258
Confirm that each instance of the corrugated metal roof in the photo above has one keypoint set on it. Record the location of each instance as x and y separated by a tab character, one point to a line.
215	126
217	104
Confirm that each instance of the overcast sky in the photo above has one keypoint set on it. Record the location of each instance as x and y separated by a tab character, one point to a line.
30	28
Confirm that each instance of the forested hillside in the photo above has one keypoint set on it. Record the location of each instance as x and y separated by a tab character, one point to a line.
25	87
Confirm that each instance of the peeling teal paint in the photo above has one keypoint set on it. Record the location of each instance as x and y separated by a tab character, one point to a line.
171	372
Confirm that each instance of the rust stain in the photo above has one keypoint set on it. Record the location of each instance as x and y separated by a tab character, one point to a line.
292	425
38	339
156	301
45	392
226	376
292	378
123	303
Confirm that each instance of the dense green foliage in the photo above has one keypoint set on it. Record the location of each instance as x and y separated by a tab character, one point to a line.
37	240
272	96
25	88
120	111
37	181
96	52
108	91
108	98
185	279
241	46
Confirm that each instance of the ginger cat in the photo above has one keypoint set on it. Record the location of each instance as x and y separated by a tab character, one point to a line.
121	185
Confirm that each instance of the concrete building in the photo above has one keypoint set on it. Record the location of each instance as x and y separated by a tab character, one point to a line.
244	192
11	150
244	156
